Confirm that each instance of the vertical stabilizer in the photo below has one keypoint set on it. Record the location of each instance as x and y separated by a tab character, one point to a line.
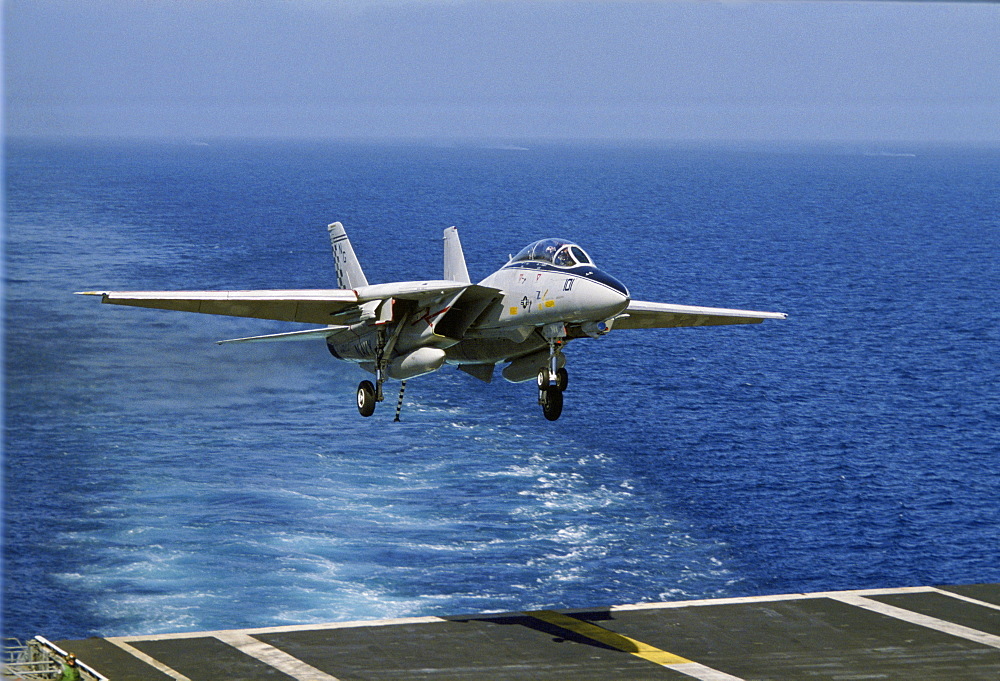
349	272
454	258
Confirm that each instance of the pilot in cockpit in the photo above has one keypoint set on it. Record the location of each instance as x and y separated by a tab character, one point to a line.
563	258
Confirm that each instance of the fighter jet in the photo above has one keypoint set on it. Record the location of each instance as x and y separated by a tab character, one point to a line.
523	315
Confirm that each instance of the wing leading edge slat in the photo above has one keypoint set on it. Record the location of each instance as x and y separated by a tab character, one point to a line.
310	306
645	315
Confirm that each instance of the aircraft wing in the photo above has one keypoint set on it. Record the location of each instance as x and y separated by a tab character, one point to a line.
313	306
643	315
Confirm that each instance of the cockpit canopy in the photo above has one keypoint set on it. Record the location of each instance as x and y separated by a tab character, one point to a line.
558	252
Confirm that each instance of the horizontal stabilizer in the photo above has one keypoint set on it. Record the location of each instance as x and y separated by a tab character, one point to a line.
484	372
644	315
308	334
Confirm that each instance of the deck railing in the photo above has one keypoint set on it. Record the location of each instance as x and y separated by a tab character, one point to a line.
39	660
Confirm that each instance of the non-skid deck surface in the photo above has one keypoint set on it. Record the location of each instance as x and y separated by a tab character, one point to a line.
928	633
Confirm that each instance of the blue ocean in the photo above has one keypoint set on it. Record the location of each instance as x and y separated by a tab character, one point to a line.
157	482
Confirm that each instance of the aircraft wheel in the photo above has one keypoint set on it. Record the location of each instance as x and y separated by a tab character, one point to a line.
366	398
552	403
543	378
562	379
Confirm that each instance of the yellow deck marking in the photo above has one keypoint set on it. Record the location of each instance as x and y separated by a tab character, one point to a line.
602	635
632	646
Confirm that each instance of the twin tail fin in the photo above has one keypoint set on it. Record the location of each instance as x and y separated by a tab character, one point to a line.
349	272
454	258
350	275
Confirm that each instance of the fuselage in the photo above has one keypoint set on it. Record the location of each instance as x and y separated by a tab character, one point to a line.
549	282
538	293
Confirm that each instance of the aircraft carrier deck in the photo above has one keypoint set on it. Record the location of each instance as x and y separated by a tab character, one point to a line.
949	633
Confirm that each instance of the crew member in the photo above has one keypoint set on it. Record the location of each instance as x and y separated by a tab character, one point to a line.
70	670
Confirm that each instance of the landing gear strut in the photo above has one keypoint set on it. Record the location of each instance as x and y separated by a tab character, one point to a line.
368	394
553	379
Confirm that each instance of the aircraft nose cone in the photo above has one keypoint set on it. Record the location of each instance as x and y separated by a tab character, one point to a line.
607	296
615	303
617	286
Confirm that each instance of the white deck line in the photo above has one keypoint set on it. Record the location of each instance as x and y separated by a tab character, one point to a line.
271	656
151	661
967	599
919	619
701	672
290	628
762	599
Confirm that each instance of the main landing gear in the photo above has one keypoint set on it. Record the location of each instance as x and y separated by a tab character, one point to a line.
368	397
370	394
553	379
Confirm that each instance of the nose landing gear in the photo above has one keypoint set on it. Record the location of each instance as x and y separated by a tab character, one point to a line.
550	391
553	379
551	399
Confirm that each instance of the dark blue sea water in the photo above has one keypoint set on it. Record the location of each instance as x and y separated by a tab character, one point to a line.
156	482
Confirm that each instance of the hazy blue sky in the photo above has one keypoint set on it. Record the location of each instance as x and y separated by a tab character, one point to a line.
661	70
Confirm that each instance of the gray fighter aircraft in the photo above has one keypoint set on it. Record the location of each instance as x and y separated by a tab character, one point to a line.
523	314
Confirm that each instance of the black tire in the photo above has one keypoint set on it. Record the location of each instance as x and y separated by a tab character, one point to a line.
562	379
552	403
543	378
366	398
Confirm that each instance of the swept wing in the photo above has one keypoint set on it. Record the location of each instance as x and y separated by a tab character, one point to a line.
311	306
644	315
314	306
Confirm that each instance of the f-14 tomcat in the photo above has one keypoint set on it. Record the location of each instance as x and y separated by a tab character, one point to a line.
523	314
